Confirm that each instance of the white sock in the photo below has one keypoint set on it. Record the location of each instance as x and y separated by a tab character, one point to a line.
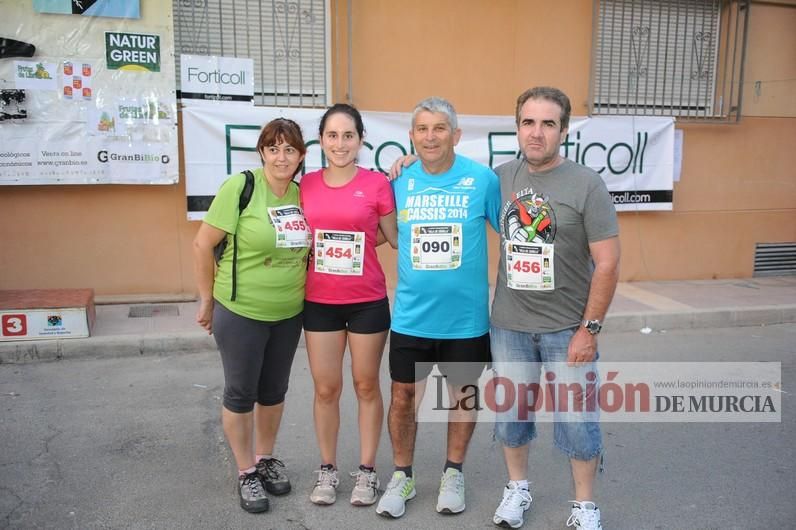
519	484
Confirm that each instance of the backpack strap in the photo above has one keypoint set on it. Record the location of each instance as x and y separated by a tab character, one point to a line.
243	201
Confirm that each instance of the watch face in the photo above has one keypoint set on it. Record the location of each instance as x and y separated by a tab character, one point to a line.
593	326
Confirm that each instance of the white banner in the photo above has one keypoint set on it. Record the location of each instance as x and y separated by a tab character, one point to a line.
634	155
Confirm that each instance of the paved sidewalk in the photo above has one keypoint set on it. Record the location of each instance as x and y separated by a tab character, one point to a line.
168	328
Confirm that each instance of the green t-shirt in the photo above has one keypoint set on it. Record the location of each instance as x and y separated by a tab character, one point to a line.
270	280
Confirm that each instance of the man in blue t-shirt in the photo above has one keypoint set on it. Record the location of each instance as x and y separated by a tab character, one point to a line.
441	313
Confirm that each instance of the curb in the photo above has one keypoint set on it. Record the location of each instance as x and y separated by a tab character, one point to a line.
159	344
106	347
726	317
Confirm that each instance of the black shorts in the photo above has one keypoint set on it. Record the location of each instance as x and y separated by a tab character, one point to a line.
461	361
362	317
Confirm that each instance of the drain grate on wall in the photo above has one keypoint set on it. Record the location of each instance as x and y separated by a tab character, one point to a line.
775	259
153	310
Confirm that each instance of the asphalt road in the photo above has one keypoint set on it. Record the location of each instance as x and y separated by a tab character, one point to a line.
137	443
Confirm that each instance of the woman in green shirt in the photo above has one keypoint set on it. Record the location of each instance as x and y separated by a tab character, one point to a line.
253	301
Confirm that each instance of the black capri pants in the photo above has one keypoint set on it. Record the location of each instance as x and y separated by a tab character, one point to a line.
257	357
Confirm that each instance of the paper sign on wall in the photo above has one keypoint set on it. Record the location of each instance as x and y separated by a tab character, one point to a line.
76	81
217	78
91	8
132	51
35	75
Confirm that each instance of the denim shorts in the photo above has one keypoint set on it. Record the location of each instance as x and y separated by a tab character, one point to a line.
518	357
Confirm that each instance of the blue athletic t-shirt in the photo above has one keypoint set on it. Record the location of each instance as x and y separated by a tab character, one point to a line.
443	288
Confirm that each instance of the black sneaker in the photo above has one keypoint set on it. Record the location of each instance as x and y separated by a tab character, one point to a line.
252	496
271	472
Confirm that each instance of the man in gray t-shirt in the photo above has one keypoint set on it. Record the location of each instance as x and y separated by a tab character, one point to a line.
559	265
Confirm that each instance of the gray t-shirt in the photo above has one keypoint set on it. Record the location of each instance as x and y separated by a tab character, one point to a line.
567	206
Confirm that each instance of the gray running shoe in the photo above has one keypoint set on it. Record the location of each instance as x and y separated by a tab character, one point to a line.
325	491
252	496
366	488
272	474
451	492
400	489
511	511
585	516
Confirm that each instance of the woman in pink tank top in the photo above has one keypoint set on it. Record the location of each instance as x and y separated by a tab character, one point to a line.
350	211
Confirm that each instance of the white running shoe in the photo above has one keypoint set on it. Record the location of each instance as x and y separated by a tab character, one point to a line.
511	511
585	515
451	492
400	489
325	491
366	488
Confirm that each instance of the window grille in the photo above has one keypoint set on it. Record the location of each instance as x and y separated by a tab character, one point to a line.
287	40
680	58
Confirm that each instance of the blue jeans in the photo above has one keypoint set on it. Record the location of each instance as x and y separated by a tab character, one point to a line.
517	359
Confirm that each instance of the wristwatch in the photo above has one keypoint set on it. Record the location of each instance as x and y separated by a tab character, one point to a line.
592	326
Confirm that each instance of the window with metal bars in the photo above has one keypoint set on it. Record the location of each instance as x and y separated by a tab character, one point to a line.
680	58
287	40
